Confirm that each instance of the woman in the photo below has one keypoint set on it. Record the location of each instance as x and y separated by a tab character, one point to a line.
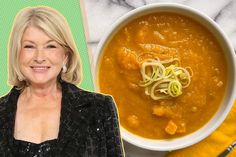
45	114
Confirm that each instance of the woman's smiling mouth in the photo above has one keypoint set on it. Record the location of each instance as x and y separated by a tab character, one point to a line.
40	68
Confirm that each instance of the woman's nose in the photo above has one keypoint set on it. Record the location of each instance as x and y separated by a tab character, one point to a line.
39	56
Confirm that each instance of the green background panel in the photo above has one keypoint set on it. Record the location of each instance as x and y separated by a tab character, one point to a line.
70	9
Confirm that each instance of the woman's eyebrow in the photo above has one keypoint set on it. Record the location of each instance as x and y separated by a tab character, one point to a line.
34	42
50	41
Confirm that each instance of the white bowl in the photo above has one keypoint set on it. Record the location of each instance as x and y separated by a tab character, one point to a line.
219	116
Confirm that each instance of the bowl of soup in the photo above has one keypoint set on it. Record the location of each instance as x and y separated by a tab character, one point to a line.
171	71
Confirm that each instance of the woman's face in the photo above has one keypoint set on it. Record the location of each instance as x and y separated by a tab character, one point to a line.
41	57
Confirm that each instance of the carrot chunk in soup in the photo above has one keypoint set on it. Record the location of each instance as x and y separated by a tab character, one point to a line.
171	128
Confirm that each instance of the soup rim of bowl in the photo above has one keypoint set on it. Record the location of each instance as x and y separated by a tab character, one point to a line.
227	102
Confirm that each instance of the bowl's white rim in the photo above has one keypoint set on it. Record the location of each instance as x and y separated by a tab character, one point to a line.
163	145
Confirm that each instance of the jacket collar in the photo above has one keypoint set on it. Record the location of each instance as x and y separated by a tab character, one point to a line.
73	113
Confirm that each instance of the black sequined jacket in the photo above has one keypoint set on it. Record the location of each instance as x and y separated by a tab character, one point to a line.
88	125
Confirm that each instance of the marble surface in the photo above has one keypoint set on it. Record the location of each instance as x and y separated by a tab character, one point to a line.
101	14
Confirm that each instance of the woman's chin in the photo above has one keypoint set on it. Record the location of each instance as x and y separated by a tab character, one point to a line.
42	82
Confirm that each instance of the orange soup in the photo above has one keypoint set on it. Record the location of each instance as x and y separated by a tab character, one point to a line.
163	36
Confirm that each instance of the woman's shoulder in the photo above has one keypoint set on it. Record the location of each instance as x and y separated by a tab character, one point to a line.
3	100
71	89
87	98
12	94
96	97
4	108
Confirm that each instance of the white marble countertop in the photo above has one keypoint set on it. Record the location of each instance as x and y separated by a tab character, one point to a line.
100	14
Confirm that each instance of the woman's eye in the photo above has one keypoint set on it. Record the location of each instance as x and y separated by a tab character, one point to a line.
51	46
28	46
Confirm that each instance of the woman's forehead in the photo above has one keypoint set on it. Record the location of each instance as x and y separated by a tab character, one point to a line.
34	34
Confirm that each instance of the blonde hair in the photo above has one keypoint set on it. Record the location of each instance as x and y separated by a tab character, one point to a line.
57	28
